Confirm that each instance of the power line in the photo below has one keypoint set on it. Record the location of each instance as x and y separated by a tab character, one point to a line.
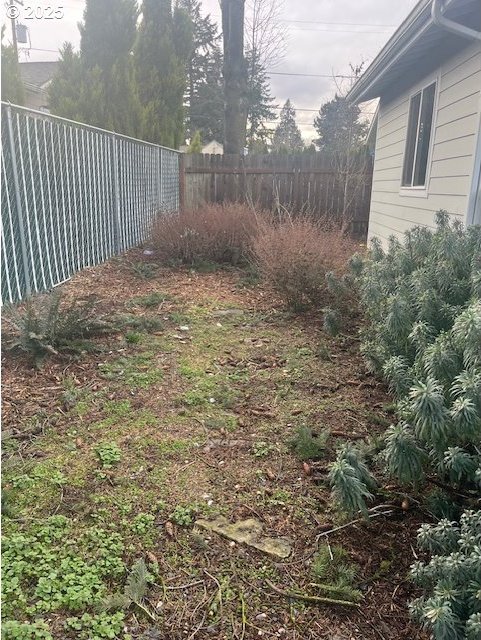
338	31
344	24
309	75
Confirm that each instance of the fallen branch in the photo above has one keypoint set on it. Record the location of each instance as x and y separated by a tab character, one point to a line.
292	595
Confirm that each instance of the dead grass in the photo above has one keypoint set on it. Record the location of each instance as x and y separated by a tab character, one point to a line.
255	375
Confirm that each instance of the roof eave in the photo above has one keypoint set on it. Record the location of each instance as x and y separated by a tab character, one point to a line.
417	22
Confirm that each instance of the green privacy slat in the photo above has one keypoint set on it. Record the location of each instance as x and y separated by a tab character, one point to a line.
73	196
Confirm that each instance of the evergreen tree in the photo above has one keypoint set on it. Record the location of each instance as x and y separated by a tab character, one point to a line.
196	143
163	49
98	85
260	107
287	136
66	88
204	95
338	126
12	86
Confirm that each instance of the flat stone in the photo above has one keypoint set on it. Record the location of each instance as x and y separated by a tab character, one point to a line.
248	532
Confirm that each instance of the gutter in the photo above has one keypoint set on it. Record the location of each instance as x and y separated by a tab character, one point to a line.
440	21
473	214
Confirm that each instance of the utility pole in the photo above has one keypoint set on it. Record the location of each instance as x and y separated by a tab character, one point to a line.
235	76
13	13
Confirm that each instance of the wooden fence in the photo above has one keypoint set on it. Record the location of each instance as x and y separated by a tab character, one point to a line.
300	182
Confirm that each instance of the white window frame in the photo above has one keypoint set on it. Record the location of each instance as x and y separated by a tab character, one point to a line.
421	191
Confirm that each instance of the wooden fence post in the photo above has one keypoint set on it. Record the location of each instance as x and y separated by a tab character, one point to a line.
181	181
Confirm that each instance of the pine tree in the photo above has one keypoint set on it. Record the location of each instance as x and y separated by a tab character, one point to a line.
287	136
12	86
163	48
338	126
204	95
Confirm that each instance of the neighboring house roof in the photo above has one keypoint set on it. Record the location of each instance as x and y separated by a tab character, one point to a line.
213	144
410	49
37	75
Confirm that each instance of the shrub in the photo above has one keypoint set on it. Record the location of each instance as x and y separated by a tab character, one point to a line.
216	233
294	257
422	301
452	611
45	325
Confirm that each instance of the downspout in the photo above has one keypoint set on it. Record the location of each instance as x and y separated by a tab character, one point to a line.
439	20
474	201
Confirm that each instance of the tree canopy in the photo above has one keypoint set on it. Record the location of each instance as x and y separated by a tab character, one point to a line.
287	136
338	126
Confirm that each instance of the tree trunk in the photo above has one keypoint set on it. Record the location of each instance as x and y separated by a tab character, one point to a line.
235	76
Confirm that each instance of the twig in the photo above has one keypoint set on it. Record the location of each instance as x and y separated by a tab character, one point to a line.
348	524
243	614
317	599
184	586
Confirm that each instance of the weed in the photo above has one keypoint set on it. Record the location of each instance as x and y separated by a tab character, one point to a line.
132	337
144	270
96	627
262	449
307	445
55	566
15	630
151	300
225	422
142	523
108	453
146	324
183	515
136	371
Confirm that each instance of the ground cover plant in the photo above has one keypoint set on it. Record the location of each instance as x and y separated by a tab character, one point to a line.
234	408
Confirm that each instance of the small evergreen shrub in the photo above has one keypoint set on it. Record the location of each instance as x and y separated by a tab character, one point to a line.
452	577
334	573
215	233
46	325
352	483
294	257
307	445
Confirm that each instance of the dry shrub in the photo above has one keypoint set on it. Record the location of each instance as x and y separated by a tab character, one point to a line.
294	257
216	233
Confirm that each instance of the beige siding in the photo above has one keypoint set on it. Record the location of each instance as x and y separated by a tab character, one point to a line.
450	166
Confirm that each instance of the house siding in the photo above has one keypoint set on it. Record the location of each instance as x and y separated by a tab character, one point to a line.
456	125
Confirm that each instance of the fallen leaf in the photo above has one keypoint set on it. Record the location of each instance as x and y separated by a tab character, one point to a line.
270	474
169	528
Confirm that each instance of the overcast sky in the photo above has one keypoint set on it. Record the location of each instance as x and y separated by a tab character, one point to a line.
324	36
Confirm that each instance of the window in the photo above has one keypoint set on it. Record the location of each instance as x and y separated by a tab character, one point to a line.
418	137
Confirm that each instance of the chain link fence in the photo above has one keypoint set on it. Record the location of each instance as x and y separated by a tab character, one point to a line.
73	196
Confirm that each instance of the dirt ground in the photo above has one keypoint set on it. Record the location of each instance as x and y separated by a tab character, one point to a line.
202	409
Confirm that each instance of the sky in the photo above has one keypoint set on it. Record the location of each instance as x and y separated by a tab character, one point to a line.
323	37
